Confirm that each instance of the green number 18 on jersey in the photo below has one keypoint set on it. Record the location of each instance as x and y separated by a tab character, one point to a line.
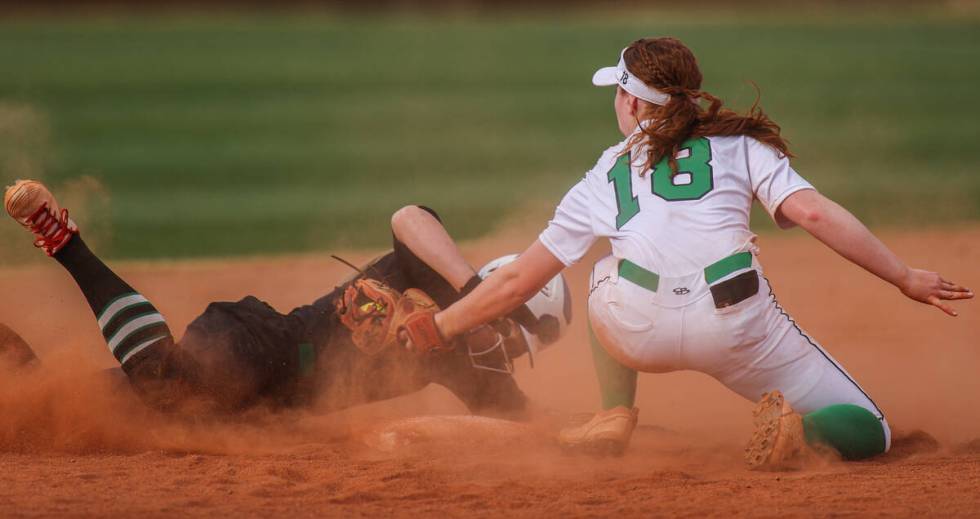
693	180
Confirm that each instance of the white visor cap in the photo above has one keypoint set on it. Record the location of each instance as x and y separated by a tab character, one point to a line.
620	75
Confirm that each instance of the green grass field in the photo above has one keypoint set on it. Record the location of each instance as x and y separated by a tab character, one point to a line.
229	135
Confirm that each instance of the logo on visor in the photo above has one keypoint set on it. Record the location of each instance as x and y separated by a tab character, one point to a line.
625	78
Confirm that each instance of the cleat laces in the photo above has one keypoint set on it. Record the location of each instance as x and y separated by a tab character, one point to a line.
53	230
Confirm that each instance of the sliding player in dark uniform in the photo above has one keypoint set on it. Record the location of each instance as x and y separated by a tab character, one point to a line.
239	354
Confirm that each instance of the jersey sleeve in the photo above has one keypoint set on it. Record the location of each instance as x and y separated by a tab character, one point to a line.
773	179
570	232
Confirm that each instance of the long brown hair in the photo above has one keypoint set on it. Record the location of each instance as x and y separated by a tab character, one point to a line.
669	66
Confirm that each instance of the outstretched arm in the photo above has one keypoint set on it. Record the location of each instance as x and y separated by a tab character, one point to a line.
840	230
509	287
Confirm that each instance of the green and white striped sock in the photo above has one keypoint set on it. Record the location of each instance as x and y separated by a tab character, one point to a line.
132	326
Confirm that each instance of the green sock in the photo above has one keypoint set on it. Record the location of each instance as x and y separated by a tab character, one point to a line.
853	431
617	383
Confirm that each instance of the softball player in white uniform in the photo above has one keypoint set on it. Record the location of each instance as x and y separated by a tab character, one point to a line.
683	289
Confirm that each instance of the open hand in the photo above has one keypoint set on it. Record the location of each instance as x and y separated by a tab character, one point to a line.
930	288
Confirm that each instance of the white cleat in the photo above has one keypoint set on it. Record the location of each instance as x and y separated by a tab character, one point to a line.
778	442
607	433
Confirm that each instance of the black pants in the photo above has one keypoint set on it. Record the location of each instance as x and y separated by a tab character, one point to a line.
246	352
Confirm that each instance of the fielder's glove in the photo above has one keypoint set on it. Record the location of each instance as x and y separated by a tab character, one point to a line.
420	334
418	331
375	313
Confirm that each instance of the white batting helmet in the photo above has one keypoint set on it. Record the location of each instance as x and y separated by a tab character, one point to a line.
543	318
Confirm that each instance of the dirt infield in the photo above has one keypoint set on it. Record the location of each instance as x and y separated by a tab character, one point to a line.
71	442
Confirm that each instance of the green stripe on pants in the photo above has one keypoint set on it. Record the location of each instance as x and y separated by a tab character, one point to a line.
639	275
617	383
726	266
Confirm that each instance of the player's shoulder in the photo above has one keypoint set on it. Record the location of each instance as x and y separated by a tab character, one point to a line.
742	148
725	142
608	159
726	139
749	144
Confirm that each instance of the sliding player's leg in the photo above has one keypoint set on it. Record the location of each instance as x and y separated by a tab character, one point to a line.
231	356
135	332
429	256
248	353
484	392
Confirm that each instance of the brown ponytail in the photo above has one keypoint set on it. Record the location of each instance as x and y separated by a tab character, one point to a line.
669	66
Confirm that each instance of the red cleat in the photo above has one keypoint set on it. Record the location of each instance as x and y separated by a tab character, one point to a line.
34	207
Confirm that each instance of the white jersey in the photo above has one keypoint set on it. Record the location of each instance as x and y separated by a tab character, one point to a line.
673	225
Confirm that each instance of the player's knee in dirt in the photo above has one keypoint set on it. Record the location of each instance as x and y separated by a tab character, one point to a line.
853	431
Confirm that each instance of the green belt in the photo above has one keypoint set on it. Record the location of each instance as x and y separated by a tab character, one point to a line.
717	270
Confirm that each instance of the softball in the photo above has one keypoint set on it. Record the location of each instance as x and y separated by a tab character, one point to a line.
372	307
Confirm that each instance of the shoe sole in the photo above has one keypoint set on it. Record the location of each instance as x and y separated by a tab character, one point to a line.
9	195
596	448
766	416
13	194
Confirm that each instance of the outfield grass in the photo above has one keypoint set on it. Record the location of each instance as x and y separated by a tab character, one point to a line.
256	134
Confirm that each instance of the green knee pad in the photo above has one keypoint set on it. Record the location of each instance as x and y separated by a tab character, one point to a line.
853	431
617	383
